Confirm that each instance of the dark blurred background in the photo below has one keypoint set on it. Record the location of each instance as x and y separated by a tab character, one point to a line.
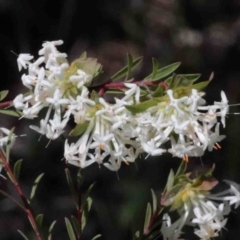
203	35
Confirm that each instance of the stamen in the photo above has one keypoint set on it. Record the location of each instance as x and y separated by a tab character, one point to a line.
48	143
218	145
185	158
215	147
14	53
127	163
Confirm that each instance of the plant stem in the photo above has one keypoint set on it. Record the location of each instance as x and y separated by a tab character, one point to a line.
6	104
152	221
79	211
121	85
20	193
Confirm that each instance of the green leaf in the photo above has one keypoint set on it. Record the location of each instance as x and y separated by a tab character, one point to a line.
23	235
114	91
170	180
79	129
51	229
71	186
155	64
147	217
39	220
71	233
76	226
171	81
130	64
142	107
159	92
201	85
96	237
35	184
190	77
164	72
154	199
182	168
83	220
83	55
124	71
3	94
137	234
89	203
9	144
17	168
88	65
90	188
12	113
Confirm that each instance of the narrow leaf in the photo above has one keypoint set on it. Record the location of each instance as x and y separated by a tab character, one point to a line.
182	168
35	184
51	229
158	92
39	220
89	203
155	64
23	235
154	201
96	237
76	226
11	136
12	113
164	72
17	168
90	188
142	107
130	64
79	129
71	186
3	94
147	217
121	73
71	233
170	180
191	77
83	220
201	85
137	234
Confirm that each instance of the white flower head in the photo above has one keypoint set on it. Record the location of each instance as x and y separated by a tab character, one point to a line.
23	60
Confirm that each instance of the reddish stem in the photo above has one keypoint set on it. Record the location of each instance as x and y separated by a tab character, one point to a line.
152	221
121	85
20	193
6	104
79	211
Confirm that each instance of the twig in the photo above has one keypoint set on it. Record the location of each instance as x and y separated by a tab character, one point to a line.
20	192
6	104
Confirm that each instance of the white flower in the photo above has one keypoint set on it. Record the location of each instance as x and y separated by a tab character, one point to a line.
57	99
23	60
19	101
235	190
49	47
223	106
134	90
170	230
5	137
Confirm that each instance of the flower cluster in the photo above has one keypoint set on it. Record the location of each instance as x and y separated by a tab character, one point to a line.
140	121
197	206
